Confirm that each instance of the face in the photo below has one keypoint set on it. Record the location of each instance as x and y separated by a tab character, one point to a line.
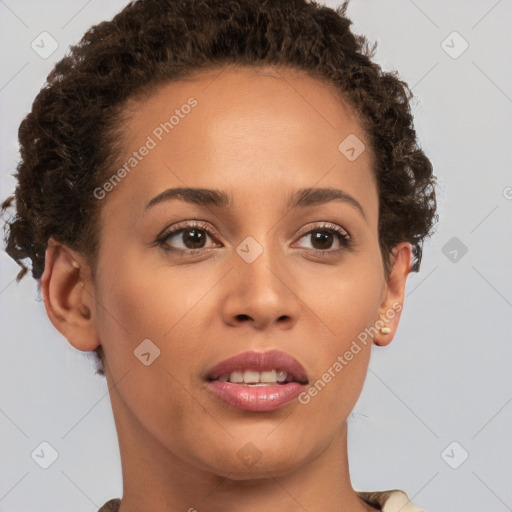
202	279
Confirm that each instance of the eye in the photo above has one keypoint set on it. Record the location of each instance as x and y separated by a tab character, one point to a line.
189	238
324	236
192	238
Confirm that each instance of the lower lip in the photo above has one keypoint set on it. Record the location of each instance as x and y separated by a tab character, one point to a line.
256	398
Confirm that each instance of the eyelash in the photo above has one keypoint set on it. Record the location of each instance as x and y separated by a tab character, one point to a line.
341	234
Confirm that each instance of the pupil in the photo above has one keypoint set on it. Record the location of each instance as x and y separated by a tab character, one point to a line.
196	239
322	236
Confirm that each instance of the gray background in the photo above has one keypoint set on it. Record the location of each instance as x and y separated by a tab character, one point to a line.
445	378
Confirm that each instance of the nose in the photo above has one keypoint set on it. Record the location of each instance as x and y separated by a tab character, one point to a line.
260	294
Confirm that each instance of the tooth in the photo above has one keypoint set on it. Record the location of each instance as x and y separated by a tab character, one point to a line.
236	377
251	377
268	376
281	376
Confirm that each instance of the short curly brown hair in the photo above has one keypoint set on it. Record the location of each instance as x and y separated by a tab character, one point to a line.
68	140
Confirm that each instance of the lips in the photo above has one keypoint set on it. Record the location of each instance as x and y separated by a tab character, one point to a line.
261	362
257	381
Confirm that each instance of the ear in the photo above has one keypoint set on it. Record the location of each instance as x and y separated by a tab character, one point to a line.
67	289
393	294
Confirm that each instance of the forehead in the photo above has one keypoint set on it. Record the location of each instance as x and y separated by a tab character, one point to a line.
235	128
233	97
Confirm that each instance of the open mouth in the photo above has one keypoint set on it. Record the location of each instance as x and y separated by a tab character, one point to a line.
257	381
255	378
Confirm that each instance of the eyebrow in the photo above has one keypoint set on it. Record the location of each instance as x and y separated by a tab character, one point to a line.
302	198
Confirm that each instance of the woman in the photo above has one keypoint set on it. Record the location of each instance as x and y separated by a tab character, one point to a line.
223	200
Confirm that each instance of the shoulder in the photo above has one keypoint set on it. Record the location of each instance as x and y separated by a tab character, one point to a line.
389	501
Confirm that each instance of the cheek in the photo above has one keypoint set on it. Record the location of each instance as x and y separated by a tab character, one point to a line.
347	304
128	311
140	301
149	300
136	306
347	301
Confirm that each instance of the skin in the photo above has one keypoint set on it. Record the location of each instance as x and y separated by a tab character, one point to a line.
258	135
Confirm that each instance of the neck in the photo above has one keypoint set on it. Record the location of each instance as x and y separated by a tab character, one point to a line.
155	478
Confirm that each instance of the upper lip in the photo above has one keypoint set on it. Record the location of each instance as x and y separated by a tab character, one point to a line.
260	361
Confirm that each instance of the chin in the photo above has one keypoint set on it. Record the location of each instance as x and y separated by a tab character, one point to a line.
246	461
261	469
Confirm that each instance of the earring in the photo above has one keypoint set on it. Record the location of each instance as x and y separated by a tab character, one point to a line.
385	330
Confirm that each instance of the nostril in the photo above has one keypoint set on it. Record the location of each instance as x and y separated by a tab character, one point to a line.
243	317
